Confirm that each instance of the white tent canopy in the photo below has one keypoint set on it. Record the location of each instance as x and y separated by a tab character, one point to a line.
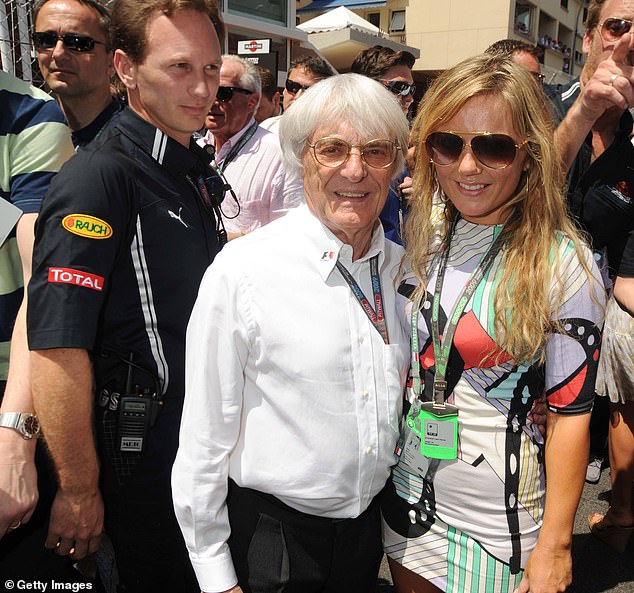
337	19
340	34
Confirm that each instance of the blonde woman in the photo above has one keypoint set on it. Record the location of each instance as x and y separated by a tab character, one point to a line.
505	304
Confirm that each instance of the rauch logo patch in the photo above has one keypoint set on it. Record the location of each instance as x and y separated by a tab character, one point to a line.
77	277
85	225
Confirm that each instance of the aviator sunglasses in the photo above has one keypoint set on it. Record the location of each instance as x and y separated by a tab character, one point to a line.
48	39
225	93
495	151
613	28
398	87
334	152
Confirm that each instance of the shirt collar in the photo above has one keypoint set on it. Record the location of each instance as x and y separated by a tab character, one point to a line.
87	133
172	155
327	248
231	142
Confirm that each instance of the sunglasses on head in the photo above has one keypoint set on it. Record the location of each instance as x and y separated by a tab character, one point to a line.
398	87
48	40
613	28
294	87
225	93
495	151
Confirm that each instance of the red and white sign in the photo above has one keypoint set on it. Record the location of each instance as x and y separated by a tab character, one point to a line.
76	277
254	46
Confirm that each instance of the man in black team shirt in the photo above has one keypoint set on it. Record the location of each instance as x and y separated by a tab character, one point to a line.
73	49
125	235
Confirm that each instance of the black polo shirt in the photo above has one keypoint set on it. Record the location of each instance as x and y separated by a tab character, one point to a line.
601	193
121	245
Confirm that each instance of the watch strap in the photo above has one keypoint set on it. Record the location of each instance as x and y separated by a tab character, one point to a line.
16	421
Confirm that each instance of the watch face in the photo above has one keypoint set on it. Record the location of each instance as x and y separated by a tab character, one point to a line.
31	425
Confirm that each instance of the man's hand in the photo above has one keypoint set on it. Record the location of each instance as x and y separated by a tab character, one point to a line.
611	85
18	481
548	570
603	98
62	382
76	524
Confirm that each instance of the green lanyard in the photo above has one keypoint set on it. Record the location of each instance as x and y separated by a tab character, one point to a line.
442	348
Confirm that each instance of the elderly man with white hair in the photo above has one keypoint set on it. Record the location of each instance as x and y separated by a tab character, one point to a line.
296	362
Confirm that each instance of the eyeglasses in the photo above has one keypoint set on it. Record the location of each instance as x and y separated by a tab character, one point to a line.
80	43
334	152
613	28
495	151
225	93
398	87
294	87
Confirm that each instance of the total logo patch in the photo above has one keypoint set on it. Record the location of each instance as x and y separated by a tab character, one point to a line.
88	226
76	277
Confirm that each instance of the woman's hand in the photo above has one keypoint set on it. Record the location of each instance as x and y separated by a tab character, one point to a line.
548	570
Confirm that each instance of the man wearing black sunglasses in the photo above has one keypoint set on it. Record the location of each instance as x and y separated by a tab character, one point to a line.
303	73
75	59
392	68
249	156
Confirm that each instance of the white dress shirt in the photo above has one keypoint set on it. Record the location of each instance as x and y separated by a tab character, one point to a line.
272	124
290	389
259	179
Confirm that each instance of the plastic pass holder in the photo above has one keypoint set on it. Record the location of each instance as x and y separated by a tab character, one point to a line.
439	430
437	426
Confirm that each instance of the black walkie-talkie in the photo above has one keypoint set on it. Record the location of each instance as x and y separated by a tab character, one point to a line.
138	410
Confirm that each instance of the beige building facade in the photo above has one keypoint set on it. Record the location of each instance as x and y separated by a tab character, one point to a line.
448	31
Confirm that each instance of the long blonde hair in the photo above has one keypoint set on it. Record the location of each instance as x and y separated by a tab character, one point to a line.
522	302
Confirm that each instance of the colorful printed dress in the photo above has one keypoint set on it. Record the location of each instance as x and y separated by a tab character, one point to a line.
469	524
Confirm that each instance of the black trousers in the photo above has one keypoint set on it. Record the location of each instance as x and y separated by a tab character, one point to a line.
149	548
277	549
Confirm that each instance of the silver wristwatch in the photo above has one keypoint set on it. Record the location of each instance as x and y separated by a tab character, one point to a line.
26	424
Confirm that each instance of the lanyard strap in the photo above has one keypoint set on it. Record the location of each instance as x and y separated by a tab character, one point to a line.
375	315
237	147
442	347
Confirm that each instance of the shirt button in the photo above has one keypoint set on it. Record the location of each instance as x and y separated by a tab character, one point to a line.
369	451
360	339
365	395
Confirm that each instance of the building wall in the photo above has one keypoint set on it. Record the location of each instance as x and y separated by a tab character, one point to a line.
449	31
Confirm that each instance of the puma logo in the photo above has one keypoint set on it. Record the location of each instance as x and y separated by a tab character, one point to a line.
178	217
